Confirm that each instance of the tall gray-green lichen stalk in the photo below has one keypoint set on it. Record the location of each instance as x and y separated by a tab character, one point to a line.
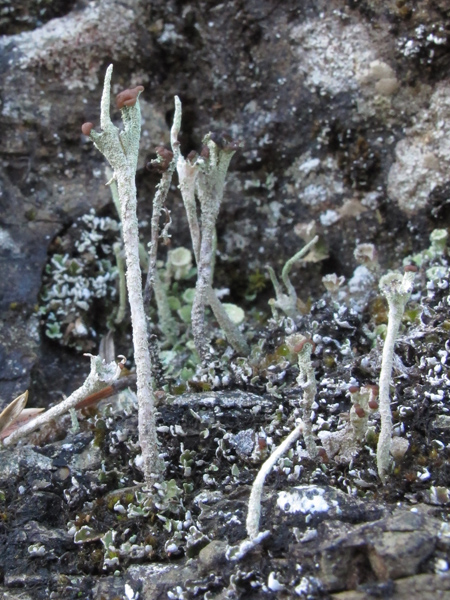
121	151
397	291
203	178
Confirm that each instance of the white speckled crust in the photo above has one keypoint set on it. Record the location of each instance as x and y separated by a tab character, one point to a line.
333	53
422	158
306	503
62	45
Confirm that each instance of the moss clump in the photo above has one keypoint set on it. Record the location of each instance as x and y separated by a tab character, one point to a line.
100	433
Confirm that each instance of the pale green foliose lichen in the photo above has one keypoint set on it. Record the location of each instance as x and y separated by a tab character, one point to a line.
74	282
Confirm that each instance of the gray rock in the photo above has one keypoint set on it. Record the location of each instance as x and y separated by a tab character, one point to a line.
11	458
212	556
391	548
157	580
424	586
358	154
441	422
346	130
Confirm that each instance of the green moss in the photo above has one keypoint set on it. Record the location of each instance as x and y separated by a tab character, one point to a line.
371	437
379	310
177	390
100	433
30	214
257	282
200	386
97	556
282	351
329	361
129	497
412	315
433	338
102	477
113	500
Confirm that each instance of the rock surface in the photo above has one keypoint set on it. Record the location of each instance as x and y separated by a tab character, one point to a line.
346	128
60	506
344	111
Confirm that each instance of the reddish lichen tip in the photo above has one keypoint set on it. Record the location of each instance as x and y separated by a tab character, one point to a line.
128	97
299	347
86	128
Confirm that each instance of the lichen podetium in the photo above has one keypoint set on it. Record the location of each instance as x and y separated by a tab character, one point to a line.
121	149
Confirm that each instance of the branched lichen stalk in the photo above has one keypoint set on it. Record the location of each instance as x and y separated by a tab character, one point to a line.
397	291
166	322
235	337
187	175
288	302
121	150
158	203
204	279
291	262
203	178
209	187
307	380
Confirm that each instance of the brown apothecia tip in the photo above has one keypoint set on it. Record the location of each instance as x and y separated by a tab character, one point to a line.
86	128
128	97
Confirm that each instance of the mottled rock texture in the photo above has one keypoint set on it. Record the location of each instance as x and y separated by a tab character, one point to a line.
343	108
